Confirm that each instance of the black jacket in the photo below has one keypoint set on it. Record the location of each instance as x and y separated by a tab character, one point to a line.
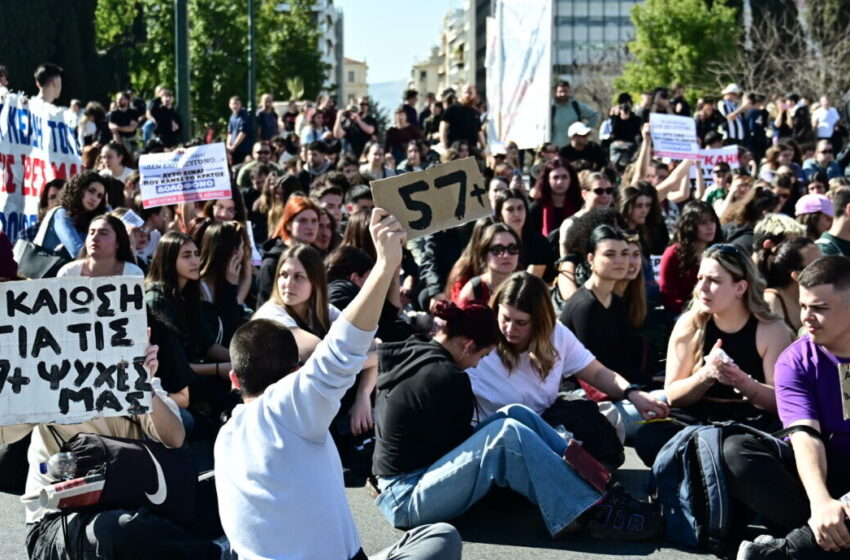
272	250
424	406
390	326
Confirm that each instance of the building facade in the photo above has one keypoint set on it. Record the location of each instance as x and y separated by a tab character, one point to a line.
451	63
355	81
327	18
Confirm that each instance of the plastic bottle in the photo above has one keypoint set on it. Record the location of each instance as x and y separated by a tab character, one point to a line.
60	466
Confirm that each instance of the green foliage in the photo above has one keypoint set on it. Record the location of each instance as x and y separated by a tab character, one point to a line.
676	41
143	33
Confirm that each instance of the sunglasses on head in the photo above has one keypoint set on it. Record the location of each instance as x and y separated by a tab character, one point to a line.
499	250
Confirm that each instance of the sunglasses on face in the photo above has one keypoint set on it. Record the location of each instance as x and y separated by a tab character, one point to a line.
261	152
600	191
825	151
499	250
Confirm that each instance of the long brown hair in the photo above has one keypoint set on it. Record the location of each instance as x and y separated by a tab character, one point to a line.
529	294
465	266
317	320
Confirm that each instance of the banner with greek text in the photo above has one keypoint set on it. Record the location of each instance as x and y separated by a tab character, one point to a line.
37	145
197	173
673	136
72	349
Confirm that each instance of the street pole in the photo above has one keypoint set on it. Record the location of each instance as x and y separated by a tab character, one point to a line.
252	62
181	79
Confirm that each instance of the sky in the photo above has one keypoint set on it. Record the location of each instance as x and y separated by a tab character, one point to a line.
390	35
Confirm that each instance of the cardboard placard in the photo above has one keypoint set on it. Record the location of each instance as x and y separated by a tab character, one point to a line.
673	136
844	380
438	198
72	349
197	173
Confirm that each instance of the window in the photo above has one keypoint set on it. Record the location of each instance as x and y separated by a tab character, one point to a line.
350	76
423	75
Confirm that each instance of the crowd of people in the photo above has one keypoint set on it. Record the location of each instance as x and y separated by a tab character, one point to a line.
523	350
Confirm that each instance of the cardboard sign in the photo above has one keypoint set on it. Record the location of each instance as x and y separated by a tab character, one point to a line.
37	144
198	173
72	349
438	198
844	380
673	136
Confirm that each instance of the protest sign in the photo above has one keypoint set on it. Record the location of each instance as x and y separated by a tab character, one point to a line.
438	198
711	157
673	136
37	145
198	173
72	349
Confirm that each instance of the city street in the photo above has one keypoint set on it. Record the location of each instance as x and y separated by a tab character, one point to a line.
501	527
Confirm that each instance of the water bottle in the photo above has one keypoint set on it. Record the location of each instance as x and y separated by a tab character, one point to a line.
60	466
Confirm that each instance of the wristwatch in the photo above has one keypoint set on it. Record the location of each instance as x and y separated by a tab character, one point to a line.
630	388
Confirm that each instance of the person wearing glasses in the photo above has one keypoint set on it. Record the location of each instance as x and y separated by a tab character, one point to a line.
727	312
497	255
261	154
356	126
823	161
597	192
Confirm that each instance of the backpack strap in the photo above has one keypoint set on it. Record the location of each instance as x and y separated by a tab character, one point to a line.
576	108
477	288
785	432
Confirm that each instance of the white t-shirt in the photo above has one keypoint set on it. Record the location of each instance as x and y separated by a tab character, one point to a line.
122	177
495	387
275	312
75	268
826	119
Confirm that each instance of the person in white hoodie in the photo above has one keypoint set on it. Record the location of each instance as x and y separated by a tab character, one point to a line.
278	473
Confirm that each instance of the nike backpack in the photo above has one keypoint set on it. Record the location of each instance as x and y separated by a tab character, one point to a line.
136	474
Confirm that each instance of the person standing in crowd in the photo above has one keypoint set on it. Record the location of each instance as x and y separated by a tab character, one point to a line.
798	488
757	122
315	130
400	135
734	130
267	118
168	126
836	241
558	196
461	121
566	111
48	80
240	135
123	122
256	476
375	166
261	154
824	119
411	98
357	126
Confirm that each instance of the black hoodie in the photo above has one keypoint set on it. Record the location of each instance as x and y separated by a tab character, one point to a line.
272	250
424	406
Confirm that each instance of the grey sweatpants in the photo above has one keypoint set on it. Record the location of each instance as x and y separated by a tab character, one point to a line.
439	541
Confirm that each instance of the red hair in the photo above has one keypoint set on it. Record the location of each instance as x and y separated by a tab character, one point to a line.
294	206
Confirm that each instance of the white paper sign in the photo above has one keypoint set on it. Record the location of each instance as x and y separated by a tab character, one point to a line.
72	349
132	219
198	173
673	136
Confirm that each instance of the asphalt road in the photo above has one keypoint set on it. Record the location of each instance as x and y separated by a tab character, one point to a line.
500	527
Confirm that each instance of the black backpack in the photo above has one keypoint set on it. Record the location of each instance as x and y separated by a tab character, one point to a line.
137	474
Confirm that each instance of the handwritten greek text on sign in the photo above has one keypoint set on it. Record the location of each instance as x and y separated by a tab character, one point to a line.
72	349
198	173
441	197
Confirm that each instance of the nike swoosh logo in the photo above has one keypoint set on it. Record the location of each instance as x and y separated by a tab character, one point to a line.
158	497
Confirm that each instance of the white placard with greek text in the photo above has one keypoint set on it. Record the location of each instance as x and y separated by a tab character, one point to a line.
673	136
197	173
438	198
72	349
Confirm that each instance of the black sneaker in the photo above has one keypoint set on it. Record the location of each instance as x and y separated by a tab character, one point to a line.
764	547
622	517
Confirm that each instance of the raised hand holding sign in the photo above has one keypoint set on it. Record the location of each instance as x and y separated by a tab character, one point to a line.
427	201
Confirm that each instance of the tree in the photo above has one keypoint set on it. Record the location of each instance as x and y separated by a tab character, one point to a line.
142	33
676	41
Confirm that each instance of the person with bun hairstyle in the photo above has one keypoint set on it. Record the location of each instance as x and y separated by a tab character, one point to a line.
432	465
781	271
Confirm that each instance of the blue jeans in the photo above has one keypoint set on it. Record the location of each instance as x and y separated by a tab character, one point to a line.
512	448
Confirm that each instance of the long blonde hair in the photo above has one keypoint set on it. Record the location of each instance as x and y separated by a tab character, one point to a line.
528	293
740	267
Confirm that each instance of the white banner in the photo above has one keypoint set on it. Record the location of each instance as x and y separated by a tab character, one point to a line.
711	157
519	72
198	173
72	349
673	136
37	145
